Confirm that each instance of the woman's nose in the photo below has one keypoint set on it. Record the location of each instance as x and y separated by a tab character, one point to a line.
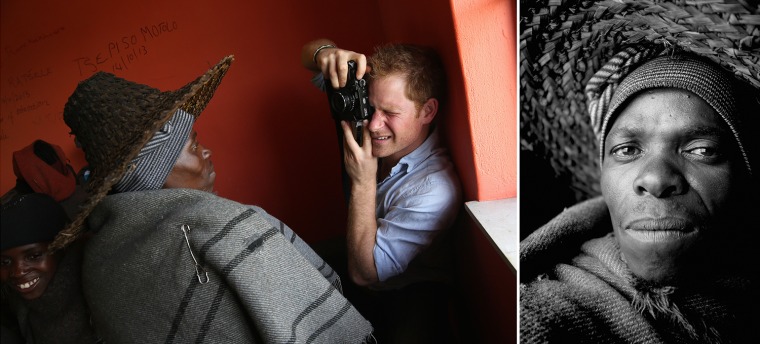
19	269
660	177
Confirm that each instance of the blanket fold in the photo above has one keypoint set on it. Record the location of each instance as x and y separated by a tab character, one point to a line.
264	283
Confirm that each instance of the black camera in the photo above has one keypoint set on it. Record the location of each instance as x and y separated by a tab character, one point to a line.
351	103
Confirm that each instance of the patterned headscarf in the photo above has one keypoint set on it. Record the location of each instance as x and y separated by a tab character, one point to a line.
148	171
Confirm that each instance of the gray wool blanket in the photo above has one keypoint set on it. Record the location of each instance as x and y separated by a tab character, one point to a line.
234	275
575	288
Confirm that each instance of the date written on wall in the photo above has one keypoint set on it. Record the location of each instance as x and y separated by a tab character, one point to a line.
122	53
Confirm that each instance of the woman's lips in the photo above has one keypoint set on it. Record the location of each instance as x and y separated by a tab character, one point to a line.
27	286
656	236
659	230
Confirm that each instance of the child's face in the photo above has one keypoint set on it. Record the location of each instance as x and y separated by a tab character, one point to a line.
28	269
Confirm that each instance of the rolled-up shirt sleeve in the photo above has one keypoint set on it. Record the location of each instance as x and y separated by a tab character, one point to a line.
411	223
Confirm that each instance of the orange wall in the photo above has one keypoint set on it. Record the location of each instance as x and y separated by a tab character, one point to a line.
477	42
486	36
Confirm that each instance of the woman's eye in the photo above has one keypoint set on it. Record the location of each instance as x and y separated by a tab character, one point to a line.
704	151
35	256
5	262
625	151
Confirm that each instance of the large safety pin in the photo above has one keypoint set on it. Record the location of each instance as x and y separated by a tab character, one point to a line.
199	270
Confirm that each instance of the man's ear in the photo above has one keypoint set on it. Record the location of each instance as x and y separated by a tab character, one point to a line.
428	110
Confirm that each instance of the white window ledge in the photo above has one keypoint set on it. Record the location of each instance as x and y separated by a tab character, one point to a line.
498	220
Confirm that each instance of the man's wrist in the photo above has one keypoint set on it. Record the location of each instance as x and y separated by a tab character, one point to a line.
359	185
320	48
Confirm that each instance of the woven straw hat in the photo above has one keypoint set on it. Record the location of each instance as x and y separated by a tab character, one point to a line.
113	118
563	43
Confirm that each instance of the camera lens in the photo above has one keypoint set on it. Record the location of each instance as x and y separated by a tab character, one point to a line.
342	102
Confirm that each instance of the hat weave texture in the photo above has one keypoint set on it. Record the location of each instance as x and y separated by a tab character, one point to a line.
113	119
564	43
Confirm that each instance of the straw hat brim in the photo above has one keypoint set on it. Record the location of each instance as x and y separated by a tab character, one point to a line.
109	168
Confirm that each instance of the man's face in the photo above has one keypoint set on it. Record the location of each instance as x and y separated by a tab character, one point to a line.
398	126
28	269
193	169
667	179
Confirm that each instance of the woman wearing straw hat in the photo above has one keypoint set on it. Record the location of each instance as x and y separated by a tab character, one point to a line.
41	291
171	261
664	254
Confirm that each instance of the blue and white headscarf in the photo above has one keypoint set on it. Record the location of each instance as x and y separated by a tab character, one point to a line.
148	171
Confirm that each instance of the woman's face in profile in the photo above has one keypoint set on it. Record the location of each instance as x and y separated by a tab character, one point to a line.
28	269
193	169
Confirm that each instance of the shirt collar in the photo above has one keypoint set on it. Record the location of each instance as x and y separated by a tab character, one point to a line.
418	155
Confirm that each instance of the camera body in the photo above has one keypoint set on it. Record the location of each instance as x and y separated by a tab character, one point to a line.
351	102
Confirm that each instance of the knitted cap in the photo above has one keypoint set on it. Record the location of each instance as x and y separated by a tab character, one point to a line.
113	119
682	71
29	219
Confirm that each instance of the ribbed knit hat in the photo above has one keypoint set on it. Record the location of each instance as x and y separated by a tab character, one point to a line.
119	123
683	71
30	218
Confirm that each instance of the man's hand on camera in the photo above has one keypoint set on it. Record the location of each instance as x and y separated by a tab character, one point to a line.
361	166
333	62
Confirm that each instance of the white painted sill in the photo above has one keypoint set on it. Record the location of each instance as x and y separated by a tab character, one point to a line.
498	221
